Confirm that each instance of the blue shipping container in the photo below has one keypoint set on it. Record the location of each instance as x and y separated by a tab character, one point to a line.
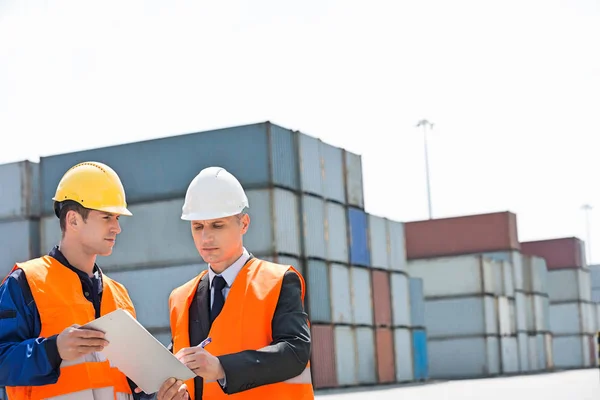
359	247
163	168
417	303
420	358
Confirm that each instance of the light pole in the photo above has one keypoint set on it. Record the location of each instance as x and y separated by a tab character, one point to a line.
588	208
424	123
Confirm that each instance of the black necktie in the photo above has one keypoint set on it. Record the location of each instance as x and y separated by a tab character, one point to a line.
219	300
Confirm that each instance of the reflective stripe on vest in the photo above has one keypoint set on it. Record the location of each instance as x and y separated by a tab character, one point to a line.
60	302
244	323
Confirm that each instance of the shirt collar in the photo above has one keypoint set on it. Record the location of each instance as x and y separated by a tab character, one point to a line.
231	272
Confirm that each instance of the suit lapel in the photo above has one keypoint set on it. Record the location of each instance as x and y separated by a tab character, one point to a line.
203	299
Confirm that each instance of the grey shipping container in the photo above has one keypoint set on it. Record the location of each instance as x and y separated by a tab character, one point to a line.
417	302
516	260
152	306
289	260
521	304
365	350
362	298
400	300
20	194
595	276
572	318
509	350
345	355
535	274
311	168
163	168
523	348
378	242
313	222
472	357
569	285
337	233
333	176
319	292
456	275
163	337
341	302
353	179
467	316
504	316
20	242
596	295
570	351
397	244
508	279
404	355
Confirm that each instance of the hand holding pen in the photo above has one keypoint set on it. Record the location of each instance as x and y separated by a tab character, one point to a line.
201	361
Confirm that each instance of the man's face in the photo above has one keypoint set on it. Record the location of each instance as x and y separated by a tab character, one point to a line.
98	233
218	240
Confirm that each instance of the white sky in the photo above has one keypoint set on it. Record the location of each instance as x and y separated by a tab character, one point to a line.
513	88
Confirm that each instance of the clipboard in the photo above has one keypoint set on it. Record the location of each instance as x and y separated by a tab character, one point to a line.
136	353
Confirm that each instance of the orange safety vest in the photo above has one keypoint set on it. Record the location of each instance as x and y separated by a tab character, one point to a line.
57	294
243	324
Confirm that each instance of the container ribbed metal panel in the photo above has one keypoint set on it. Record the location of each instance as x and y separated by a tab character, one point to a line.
20	195
353	179
523	342
535	274
461	316
20	242
340	294
319	294
313	220
417	302
515	258
152	306
504	320
359	247
507	279
323	357
400	299
471	357
346	355
509	349
362	299
569	285
378	242
365	349
521	311
333	179
404	355
397	243
311	171
178	159
572	318
337	233
533	356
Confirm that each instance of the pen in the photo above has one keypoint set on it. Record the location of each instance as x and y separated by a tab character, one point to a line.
205	342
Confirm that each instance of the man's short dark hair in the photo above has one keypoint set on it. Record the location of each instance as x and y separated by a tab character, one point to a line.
64	207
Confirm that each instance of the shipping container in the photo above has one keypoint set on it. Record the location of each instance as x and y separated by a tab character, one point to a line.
20	195
535	359
289	260
346	358
541	308
318	291
313	222
397	243
570	351
546	341
521	305
569	285
456	275
353	180
323	362
362	298
510	354
595	276
162	169
378	242
420	356
386	371
461	235
464	316
400	291
504	317
535	274
337	233
558	253
359	239
523	342
471	357
152	306
365	350
417	303
572	318
163	337
404	355
596	295
382	302
20	242
333	173
508	280
341	302
311	167
515	259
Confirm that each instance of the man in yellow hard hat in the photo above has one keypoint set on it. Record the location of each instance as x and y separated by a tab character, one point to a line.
44	352
251	310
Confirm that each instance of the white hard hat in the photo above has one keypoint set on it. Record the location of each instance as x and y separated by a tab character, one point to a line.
214	193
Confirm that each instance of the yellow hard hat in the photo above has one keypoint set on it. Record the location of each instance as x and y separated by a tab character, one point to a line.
95	186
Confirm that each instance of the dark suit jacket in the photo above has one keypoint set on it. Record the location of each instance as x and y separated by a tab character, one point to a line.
285	358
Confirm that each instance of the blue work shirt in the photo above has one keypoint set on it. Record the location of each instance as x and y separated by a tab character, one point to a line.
25	358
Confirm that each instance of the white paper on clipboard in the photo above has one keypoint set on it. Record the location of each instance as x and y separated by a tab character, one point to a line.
138	354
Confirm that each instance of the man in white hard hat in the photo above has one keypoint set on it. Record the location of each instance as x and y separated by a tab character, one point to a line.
251	310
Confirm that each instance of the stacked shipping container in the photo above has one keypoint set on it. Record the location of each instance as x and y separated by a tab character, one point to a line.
571	316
